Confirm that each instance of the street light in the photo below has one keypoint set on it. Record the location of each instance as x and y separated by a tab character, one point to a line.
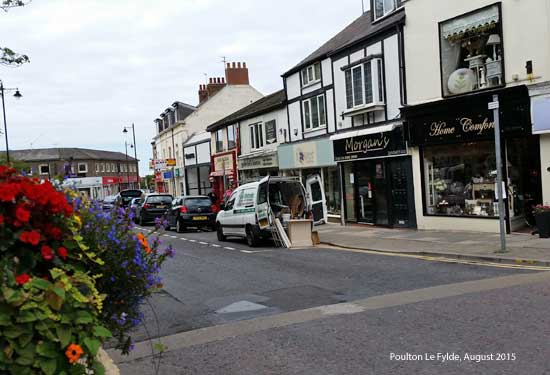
125	130
127	166
17	95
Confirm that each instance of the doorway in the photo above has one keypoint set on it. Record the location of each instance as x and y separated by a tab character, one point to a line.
371	191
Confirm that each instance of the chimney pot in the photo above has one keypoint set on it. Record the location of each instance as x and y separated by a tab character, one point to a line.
244	65
211	80
228	65
233	65
239	65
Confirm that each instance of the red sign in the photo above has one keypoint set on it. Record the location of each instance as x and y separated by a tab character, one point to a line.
110	180
158	177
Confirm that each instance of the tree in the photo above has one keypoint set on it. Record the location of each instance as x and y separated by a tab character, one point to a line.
7	56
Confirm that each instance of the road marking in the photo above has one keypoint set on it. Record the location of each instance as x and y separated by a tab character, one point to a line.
203	243
254	252
229	248
222	332
183	239
214	245
192	240
173	236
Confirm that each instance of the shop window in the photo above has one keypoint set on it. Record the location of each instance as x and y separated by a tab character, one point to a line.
472	57
384	7
314	113
82	168
231	144
311	74
459	180
363	82
256	136
219	140
332	190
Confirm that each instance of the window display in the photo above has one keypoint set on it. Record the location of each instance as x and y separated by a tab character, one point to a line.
471	51
459	180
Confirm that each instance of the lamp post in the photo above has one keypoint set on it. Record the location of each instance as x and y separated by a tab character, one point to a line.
125	130
17	95
127	166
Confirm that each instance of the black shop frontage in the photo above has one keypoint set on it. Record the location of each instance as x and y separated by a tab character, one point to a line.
376	173
456	143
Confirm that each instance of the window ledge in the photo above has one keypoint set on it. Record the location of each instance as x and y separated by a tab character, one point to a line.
364	109
312	83
306	131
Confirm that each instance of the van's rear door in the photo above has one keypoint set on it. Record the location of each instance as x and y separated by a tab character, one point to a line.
316	194
262	205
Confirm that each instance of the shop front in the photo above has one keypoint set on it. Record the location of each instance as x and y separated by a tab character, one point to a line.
457	166
314	158
377	176
224	173
253	167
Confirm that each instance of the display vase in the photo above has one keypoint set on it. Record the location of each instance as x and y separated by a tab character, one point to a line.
543	223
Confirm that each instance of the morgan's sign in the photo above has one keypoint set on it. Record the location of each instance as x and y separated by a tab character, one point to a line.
376	145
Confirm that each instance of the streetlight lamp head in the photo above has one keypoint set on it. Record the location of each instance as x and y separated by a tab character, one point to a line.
125	131
17	94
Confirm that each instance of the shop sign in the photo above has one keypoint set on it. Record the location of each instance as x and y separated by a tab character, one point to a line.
467	128
178	172
170	162
223	162
305	155
110	180
267	161
377	145
160	164
158	177
167	175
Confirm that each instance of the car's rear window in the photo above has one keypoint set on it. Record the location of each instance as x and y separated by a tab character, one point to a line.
197	202
165	199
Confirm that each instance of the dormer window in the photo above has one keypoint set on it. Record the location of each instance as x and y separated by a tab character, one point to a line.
365	85
311	74
384	7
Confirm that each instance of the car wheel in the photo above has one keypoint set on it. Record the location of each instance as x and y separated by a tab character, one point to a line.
219	233
251	237
180	228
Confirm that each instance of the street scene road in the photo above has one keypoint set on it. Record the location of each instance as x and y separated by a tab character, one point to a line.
211	286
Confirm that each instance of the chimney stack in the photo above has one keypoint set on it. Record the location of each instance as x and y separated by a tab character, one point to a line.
203	94
237	74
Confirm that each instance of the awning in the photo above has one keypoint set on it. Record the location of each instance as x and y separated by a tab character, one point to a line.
367	131
471	22
228	172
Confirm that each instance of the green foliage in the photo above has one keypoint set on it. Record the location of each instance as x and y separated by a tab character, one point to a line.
7	56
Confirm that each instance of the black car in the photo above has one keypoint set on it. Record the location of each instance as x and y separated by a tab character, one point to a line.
153	206
192	211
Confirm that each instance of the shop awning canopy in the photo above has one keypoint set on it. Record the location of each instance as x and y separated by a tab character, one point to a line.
367	131
477	20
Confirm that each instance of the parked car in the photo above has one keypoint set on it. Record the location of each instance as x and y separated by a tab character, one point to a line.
124	198
108	203
247	212
153	206
195	211
134	203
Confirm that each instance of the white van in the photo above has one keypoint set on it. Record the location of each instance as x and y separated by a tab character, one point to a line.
247	213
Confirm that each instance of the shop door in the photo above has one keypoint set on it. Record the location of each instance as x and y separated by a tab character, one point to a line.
372	193
403	214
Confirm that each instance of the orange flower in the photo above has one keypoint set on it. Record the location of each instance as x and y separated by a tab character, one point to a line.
74	352
143	241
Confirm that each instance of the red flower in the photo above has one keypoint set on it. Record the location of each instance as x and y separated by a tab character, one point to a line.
55	233
47	252
8	192
62	252
22	214
32	237
22	279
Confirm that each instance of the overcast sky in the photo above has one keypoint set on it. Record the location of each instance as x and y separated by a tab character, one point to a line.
97	66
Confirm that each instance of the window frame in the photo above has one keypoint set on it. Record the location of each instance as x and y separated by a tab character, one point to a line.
85	168
231	144
218	136
308	113
372	94
40	172
316	74
257	136
396	5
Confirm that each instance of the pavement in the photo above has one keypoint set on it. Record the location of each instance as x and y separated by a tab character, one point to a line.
522	248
